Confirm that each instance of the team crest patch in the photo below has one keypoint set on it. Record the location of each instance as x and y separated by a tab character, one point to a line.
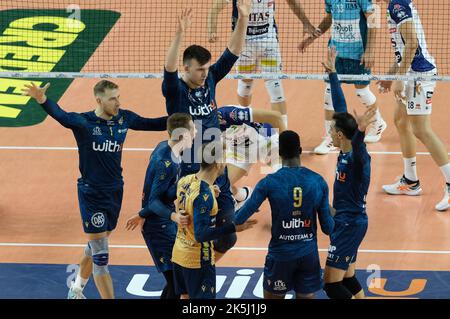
98	220
203	210
97	131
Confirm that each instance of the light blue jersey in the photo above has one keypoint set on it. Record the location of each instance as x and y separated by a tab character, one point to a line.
349	29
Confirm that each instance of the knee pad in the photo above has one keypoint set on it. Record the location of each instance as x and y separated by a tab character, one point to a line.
328	101
352	284
275	90
100	255
366	97
245	89
337	290
88	250
225	243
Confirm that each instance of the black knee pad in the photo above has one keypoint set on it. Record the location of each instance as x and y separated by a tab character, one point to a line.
337	290
225	243
352	284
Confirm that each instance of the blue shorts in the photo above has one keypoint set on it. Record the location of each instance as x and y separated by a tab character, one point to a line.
100	208
197	283
303	275
345	241
350	66
160	238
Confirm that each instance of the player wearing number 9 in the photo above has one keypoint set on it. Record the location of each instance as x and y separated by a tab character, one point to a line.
297	196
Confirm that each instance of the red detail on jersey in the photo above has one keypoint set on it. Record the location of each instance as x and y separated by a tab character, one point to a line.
271	3
342	177
392	30
428	101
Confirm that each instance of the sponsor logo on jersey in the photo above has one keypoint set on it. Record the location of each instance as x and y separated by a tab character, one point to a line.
107	146
296	223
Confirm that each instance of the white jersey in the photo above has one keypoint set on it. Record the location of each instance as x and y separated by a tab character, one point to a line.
399	12
261	20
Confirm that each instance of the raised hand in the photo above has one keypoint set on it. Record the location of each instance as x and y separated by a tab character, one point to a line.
330	63
368	59
244	7
36	92
305	43
366	119
185	20
212	37
384	86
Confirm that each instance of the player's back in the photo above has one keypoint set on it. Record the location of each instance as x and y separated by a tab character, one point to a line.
187	252
296	195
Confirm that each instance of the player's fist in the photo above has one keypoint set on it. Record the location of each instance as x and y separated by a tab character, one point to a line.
384	86
36	92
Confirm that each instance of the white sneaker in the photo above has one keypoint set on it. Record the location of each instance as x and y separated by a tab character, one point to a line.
75	293
444	204
401	187
241	203
325	147
375	130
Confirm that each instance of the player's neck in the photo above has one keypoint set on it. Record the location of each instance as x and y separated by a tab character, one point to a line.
346	146
176	147
208	176
291	162
99	113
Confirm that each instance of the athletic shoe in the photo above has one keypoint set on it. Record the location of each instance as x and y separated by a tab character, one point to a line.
75	293
444	204
325	147
241	203
401	187
375	130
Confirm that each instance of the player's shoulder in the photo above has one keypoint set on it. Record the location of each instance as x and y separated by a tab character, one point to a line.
205	194
397	5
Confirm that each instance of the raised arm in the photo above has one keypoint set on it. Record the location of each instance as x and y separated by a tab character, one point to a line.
172	58
69	120
337	95
216	9
321	29
237	39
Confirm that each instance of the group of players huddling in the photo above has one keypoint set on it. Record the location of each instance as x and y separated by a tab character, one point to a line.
191	207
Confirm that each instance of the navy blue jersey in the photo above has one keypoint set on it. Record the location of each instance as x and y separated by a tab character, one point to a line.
100	141
353	168
352	180
238	115
160	183
296	196
200	103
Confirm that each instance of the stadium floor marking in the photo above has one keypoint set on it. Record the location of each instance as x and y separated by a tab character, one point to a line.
131	149
375	251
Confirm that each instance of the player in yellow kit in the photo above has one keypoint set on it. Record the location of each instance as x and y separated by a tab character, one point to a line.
193	253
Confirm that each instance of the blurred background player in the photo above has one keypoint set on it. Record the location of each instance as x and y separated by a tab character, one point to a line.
194	93
262	49
158	218
251	135
349	192
353	34
100	135
296	196
193	254
414	101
